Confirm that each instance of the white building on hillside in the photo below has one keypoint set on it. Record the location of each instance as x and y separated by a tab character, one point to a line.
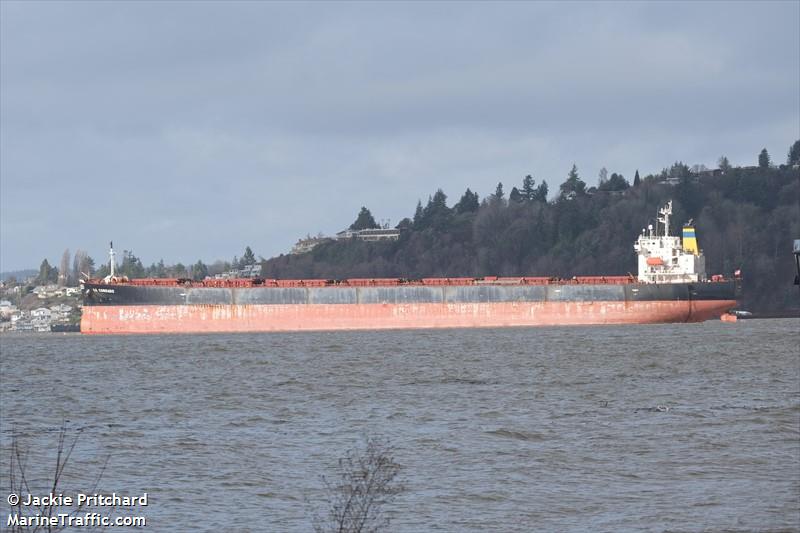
371	235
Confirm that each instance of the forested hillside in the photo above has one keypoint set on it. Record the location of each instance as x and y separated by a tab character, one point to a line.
746	219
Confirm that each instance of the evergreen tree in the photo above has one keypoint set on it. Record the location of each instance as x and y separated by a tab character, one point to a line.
528	187
45	273
365	220
724	164
498	192
468	203
763	159
436	214
574	184
179	271
616	182
419	212
427	210
794	154
515	196
439	201
131	265
157	270
540	195
679	170
422	215
249	258
636	179
200	271
103	271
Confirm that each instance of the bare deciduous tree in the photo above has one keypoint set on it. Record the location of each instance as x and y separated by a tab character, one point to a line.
80	266
63	271
21	483
365	481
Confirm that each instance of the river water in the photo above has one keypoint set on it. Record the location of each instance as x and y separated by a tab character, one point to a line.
689	427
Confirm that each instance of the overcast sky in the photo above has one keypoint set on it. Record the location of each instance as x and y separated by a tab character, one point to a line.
190	130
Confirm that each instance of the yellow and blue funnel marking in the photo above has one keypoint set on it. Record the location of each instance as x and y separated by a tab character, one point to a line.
690	240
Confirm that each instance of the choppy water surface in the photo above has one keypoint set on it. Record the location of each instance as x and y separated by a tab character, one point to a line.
548	429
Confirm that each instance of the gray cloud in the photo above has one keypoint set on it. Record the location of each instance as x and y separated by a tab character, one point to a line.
186	130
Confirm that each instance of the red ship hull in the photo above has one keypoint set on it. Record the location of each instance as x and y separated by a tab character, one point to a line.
215	318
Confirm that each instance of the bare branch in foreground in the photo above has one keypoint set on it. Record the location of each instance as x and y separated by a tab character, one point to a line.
20	485
366	480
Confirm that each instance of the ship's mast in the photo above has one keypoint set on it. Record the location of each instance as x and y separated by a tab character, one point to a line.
111	257
666	211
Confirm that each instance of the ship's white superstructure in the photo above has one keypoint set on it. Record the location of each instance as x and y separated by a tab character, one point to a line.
663	259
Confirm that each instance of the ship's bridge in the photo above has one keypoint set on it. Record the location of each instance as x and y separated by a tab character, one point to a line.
665	259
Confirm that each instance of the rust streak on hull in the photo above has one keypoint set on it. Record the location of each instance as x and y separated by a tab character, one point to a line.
141	319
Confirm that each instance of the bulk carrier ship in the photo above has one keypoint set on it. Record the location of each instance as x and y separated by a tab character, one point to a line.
671	286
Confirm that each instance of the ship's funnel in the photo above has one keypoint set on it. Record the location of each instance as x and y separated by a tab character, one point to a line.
690	240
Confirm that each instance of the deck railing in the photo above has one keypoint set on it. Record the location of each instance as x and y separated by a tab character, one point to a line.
375	282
